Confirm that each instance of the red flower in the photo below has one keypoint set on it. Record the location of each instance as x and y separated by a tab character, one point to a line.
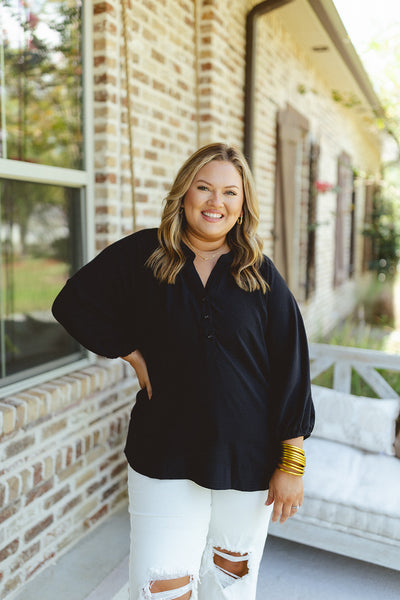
323	186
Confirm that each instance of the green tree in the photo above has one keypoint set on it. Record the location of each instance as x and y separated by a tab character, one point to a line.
382	60
383	56
43	73
43	105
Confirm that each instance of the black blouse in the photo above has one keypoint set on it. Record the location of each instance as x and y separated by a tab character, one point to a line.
229	369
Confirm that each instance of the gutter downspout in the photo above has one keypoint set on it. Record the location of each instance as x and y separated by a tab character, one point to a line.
250	77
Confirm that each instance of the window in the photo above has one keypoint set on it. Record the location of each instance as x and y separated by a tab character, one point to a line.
45	178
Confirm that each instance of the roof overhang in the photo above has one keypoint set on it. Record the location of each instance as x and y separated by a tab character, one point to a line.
317	29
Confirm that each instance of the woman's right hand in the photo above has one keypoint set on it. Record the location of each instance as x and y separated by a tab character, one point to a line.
136	360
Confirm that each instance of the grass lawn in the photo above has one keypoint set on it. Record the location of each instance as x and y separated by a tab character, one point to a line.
36	282
381	304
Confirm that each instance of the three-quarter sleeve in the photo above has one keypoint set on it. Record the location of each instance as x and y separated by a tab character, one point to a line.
97	304
289	362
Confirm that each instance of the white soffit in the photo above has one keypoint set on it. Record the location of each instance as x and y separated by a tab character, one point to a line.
310	35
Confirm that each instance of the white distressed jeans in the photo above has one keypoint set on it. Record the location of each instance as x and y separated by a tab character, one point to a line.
178	527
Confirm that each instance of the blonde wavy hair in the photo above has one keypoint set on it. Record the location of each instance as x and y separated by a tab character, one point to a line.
246	246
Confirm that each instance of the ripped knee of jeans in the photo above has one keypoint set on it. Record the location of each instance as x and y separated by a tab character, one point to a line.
169	588
230	566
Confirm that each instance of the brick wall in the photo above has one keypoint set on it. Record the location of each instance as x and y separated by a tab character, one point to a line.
221	65
162	71
62	467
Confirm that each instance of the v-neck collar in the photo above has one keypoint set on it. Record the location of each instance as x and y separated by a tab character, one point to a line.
216	270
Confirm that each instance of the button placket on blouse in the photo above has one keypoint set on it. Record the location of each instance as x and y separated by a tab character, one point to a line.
206	319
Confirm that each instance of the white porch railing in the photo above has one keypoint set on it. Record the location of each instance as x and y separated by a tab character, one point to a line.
364	362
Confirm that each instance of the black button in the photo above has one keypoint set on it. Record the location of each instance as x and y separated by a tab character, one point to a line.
210	336
204	298
206	316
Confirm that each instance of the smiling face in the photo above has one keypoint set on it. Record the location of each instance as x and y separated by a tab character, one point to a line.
213	202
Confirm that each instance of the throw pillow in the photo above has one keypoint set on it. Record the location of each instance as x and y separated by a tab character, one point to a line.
366	423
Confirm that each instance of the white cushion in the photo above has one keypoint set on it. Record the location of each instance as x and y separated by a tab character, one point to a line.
349	489
366	423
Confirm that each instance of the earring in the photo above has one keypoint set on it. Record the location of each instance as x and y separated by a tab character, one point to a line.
240	220
181	209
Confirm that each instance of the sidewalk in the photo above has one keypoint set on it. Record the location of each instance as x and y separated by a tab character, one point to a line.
97	569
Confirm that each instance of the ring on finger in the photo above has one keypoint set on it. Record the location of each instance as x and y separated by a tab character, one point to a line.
295	507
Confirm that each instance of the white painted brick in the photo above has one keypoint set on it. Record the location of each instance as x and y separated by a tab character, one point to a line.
8	417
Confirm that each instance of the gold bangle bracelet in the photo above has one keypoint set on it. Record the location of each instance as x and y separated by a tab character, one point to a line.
289	472
294	462
294	456
292	447
289	465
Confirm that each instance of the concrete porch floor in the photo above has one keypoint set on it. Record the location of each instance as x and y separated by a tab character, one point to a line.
97	569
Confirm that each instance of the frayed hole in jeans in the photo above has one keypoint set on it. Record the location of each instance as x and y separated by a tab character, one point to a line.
169	589
230	566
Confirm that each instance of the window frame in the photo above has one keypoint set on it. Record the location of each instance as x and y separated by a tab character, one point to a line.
74	178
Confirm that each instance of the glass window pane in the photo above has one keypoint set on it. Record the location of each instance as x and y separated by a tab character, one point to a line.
41	81
40	233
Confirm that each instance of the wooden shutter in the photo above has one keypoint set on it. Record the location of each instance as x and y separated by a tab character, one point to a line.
312	219
353	231
368	250
291	129
342	231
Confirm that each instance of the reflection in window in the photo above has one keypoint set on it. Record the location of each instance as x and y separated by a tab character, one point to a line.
40	232
41	87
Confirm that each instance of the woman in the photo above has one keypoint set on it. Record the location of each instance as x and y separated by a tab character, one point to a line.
219	349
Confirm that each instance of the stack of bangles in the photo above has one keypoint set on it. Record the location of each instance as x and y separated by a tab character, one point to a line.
293	460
